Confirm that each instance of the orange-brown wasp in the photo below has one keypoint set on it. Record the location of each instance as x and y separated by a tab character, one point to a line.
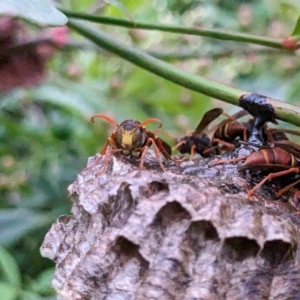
228	130
198	141
272	159
281	155
224	133
131	138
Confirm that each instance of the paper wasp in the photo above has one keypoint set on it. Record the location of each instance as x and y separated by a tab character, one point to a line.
228	130
281	155
131	138
224	133
198	141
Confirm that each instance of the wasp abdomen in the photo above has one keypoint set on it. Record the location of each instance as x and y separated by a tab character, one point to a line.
270	157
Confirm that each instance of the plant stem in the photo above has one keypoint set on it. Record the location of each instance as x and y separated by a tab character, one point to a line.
211	33
158	67
284	111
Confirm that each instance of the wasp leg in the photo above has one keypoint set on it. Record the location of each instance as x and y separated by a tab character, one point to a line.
156	151
269	177
162	148
192	152
282	191
157	142
245	138
166	152
296	199
106	158
104	150
228	145
178	145
210	149
144	151
225	161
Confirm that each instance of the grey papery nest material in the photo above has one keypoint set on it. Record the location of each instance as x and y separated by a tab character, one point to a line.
189	233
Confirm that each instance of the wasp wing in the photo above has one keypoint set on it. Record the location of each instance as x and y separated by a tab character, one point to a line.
264	167
166	146
235	116
290	147
207	118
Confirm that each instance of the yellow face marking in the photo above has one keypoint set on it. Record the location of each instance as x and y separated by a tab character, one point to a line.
264	152
127	138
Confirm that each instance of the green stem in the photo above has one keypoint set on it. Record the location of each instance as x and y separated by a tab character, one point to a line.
211	33
158	67
284	111
181	54
185	54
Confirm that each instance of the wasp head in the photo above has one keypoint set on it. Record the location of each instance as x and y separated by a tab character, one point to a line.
130	135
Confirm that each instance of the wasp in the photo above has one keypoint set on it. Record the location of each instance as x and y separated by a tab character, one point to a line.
198	141
281	155
228	130
272	159
224	133
131	138
278	138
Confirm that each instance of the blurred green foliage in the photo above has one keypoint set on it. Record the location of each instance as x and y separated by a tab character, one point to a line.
45	133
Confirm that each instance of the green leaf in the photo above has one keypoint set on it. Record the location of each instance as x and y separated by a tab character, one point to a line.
42	284
8	291
119	6
9	269
296	30
28	295
14	223
73	99
40	12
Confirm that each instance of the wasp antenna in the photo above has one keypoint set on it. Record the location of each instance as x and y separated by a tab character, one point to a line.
150	120
108	119
164	132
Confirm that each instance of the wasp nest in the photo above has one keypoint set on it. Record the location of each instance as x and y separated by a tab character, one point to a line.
189	233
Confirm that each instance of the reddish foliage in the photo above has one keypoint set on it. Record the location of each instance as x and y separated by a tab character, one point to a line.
23	59
289	44
59	35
